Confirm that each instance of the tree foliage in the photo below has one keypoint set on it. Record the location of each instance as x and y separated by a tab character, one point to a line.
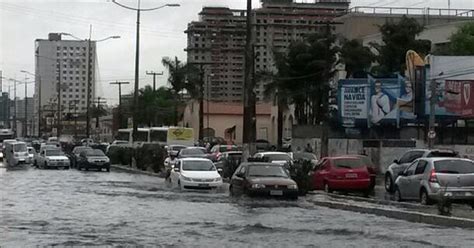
462	41
356	57
397	39
303	76
155	107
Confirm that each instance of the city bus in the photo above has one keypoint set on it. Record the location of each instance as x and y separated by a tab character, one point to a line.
163	135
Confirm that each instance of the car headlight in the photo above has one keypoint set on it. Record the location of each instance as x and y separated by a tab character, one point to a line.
186	178
90	160
292	186
218	179
258	186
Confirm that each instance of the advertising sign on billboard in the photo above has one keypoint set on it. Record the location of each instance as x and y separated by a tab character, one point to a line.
374	101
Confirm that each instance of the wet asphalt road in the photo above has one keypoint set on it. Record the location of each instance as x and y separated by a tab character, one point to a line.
72	208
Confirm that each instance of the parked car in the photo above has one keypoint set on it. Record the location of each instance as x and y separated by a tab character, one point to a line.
193	152
274	157
348	173
263	179
76	152
93	159
401	164
195	173
433	179
52	158
217	150
263	145
228	162
173	150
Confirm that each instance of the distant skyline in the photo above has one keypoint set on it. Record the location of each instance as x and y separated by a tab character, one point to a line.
162	33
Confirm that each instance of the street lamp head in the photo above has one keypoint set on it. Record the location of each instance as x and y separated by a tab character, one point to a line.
115	37
173	5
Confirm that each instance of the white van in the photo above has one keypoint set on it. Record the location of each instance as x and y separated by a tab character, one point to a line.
17	154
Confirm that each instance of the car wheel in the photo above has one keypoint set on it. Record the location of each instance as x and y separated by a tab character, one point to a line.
327	189
388	183
108	169
424	198
398	195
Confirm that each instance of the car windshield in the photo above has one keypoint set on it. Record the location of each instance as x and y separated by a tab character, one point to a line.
19	148
454	166
177	148
277	157
349	163
267	171
53	153
227	148
440	154
81	149
198	165
192	151
95	152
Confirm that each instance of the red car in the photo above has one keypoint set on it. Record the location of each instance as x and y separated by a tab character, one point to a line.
342	174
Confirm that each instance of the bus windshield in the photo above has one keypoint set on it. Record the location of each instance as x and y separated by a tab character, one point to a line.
158	135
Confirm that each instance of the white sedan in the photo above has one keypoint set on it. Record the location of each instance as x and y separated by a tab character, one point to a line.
195	173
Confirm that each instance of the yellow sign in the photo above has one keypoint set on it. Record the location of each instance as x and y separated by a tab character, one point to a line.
176	133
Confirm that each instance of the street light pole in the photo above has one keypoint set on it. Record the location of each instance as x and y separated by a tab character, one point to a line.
137	61
120	101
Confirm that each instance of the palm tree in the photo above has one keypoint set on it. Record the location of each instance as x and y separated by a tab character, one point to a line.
182	76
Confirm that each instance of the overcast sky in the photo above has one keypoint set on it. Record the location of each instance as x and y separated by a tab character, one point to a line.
21	22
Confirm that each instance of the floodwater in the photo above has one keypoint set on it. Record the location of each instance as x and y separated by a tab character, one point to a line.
73	208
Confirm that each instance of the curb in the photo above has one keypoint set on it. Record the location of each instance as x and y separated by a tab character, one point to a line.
133	170
398	214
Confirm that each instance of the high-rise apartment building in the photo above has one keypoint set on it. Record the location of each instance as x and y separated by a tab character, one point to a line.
217	40
63	63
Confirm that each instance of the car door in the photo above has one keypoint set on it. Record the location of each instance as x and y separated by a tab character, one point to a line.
405	181
320	174
238	179
415	183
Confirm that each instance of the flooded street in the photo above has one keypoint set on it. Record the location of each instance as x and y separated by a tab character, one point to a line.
51	207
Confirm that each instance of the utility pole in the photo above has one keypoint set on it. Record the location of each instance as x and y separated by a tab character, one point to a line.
431	132
58	132
88	97
120	101
25	124
249	120
154	77
99	101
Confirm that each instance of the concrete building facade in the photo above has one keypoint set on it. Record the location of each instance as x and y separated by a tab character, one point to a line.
217	41
64	63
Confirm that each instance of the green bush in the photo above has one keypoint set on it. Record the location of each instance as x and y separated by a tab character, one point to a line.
299	173
150	155
120	154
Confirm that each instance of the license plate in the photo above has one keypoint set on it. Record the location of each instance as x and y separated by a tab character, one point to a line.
351	175
276	192
203	185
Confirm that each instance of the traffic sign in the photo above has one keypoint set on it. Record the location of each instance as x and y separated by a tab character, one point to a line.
431	134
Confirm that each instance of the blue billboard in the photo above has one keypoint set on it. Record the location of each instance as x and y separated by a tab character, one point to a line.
374	101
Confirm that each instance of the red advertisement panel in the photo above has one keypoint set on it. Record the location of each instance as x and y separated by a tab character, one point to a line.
467	101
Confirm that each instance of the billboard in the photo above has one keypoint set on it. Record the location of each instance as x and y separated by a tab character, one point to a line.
373	101
454	78
455	98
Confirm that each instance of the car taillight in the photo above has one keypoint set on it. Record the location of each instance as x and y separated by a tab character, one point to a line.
218	155
433	178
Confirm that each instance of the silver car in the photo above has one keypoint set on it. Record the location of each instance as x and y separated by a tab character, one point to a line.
401	164
432	179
